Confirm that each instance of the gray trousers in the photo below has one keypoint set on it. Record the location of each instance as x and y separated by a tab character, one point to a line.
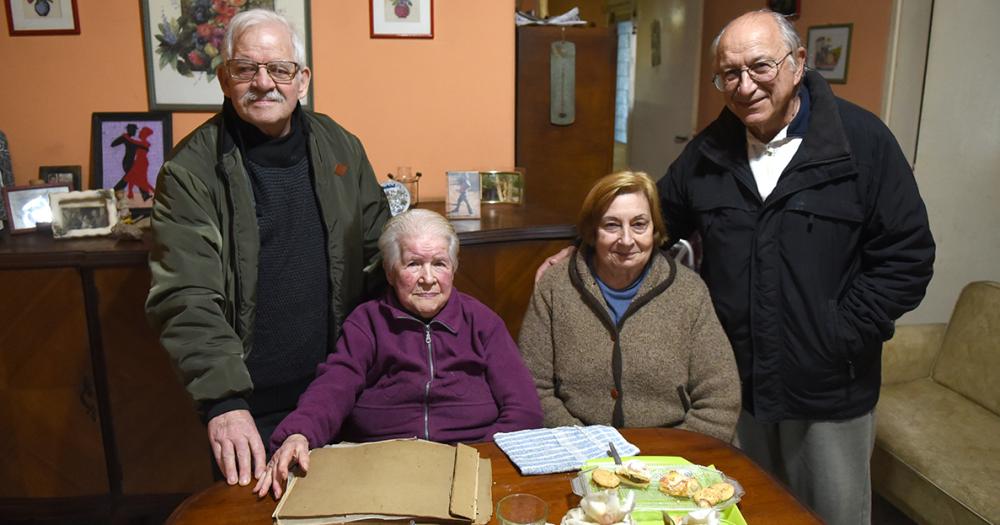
826	464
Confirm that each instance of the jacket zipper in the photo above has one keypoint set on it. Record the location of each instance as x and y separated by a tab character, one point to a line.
427	385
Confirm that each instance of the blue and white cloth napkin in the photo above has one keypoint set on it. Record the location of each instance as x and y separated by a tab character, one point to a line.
561	449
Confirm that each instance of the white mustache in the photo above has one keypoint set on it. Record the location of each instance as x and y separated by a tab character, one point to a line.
274	96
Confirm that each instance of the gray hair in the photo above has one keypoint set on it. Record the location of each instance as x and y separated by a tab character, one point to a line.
414	223
788	34
245	20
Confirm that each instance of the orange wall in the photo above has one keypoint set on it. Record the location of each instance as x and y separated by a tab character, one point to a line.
869	41
435	105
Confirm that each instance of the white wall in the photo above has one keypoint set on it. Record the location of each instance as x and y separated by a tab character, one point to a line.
958	151
666	95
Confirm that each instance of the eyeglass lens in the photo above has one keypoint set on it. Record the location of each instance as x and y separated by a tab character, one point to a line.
280	70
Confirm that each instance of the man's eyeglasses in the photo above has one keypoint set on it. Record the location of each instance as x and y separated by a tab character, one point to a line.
762	71
281	71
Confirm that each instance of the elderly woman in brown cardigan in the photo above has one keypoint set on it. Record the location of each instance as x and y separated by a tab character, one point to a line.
621	334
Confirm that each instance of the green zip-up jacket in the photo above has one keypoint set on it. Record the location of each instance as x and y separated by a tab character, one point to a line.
205	248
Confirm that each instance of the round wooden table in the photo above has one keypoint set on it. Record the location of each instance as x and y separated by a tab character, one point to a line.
766	500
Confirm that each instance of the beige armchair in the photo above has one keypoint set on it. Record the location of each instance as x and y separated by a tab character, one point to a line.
937	445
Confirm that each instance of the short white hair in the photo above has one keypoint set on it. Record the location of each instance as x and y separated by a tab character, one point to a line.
415	223
789	36
245	20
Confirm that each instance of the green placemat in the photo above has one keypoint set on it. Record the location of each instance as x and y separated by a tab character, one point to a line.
730	516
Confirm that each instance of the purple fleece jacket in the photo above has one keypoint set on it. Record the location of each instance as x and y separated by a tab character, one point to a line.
457	378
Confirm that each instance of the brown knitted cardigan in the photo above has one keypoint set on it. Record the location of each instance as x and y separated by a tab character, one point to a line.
668	363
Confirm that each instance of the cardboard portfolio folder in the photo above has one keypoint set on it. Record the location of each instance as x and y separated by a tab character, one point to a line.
390	480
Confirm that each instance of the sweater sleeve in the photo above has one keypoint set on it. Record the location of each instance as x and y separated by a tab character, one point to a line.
510	382
713	382
538	350
330	398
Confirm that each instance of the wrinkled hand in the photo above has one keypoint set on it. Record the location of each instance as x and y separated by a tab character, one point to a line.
237	446
295	450
552	261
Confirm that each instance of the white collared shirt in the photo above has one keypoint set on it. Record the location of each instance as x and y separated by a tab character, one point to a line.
767	161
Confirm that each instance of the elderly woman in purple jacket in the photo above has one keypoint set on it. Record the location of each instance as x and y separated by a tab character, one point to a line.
423	361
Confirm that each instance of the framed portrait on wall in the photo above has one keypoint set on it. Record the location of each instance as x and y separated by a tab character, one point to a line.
401	18
42	17
829	51
183	45
463	198
128	150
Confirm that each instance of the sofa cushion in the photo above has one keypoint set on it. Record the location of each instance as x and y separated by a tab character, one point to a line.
970	353
949	444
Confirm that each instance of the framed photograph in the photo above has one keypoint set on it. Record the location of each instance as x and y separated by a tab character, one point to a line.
463	200
27	206
61	175
829	50
42	17
790	9
402	18
505	187
6	173
127	150
89	213
183	42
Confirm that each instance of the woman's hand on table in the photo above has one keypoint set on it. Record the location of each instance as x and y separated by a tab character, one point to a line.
295	450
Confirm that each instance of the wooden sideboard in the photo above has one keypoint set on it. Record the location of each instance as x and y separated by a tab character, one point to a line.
97	424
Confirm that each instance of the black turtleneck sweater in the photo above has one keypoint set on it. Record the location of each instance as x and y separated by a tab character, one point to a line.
292	304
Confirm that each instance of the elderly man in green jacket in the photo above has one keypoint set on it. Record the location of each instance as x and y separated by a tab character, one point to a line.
265	228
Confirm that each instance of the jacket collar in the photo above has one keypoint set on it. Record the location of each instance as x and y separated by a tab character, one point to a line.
450	317
661	275
725	140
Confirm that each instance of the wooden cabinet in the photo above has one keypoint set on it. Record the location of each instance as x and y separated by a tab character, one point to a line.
97	426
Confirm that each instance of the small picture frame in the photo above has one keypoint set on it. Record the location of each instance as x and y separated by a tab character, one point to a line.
61	175
463	199
90	213
502	187
182	40
401	18
28	206
42	17
829	51
128	150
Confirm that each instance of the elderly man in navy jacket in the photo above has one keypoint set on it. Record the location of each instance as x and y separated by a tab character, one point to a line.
815	241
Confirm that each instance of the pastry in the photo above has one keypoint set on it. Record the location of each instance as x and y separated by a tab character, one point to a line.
633	474
604	478
678	484
712	495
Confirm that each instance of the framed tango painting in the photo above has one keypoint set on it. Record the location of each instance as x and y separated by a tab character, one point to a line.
128	150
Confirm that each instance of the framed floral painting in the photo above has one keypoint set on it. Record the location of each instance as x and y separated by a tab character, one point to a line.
183	43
